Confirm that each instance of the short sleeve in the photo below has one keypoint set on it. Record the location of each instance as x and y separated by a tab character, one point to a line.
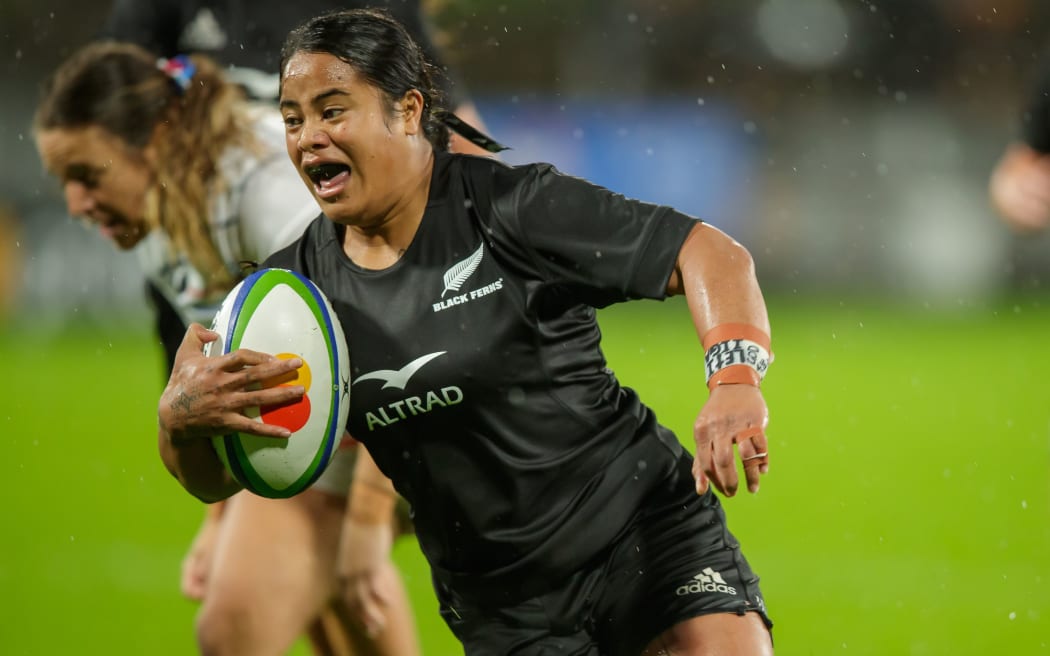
599	245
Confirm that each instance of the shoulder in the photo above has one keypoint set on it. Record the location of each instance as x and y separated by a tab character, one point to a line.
500	181
301	252
265	121
259	161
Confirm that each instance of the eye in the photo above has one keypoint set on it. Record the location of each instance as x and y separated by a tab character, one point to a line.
331	112
84	174
291	121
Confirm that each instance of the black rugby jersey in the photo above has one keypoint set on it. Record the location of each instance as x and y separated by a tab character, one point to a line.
1035	121
477	380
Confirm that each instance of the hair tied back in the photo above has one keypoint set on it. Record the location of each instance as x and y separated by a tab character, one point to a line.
179	68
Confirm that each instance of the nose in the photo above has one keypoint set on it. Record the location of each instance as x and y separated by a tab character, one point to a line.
313	136
79	200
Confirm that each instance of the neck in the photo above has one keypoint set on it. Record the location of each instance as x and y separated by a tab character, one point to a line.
380	245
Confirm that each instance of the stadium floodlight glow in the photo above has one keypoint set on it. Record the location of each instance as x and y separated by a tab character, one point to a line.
805	34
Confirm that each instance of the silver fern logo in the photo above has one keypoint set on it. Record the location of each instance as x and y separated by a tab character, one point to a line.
458	274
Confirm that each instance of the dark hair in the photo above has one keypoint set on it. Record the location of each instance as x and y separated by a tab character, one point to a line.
382	52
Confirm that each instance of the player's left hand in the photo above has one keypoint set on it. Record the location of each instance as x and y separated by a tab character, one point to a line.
364	583
733	415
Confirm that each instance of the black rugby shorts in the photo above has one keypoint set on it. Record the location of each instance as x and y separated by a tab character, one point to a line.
677	560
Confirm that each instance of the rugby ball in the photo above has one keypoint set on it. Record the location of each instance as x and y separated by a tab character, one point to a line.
283	313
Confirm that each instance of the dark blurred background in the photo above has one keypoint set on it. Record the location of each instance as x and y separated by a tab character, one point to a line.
847	143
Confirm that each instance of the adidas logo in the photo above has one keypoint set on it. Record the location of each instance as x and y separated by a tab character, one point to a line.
203	33
706	581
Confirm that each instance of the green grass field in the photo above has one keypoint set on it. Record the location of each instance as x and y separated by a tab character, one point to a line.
907	510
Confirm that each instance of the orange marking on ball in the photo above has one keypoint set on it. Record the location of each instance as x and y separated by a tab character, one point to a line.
292	415
300	376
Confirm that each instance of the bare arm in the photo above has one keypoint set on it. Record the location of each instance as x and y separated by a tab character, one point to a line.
365	543
717	276
1019	188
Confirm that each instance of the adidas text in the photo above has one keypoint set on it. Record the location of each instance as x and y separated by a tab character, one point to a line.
706	581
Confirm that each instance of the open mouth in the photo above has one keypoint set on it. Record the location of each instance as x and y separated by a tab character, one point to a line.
329	179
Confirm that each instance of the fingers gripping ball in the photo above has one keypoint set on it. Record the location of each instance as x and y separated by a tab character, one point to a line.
283	313
292	416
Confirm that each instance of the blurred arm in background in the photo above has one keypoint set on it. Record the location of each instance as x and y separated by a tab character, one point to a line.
1020	183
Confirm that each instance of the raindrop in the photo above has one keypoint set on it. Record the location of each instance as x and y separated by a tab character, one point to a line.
516	395
1012	616
700	101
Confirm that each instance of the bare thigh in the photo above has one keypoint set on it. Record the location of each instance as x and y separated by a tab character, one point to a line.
274	567
724	634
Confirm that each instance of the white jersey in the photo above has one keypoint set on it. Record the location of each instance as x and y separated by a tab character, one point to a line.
262	207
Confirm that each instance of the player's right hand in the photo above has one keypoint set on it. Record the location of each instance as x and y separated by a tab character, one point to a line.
208	396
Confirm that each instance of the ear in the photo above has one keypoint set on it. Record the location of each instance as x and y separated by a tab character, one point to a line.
412	111
152	148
